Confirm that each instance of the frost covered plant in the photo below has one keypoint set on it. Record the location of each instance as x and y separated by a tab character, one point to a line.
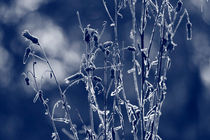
149	73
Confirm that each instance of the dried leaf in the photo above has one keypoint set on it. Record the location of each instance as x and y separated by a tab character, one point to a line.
73	78
117	90
138	67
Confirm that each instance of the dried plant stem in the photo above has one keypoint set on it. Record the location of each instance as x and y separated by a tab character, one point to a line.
63	97
47	109
132	9
159	69
107	10
153	33
180	19
105	95
91	92
80	23
114	59
143	70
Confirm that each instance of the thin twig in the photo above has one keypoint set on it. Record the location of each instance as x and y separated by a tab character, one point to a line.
105	6
80	23
63	97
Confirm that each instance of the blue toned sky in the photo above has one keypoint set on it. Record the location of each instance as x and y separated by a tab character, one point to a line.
185	113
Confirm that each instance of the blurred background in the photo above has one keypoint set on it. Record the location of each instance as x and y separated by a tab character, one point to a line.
185	113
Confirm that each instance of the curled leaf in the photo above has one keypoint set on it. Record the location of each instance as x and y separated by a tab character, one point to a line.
107	44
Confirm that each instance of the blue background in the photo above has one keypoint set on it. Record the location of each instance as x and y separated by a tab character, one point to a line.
185	113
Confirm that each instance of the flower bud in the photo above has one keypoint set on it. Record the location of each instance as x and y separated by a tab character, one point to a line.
28	36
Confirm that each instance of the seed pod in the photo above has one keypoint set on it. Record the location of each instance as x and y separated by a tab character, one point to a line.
87	36
27	81
51	75
26	55
107	52
28	36
112	73
95	37
179	6
189	30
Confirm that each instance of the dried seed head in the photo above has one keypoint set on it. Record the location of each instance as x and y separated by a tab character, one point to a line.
51	75
112	73
107	52
87	36
179	6
27	81
189	30
95	38
28	36
26	55
90	34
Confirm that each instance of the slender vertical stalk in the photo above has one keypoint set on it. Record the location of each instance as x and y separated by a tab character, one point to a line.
48	112
132	9
88	82
143	68
114	57
159	70
105	95
63	97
